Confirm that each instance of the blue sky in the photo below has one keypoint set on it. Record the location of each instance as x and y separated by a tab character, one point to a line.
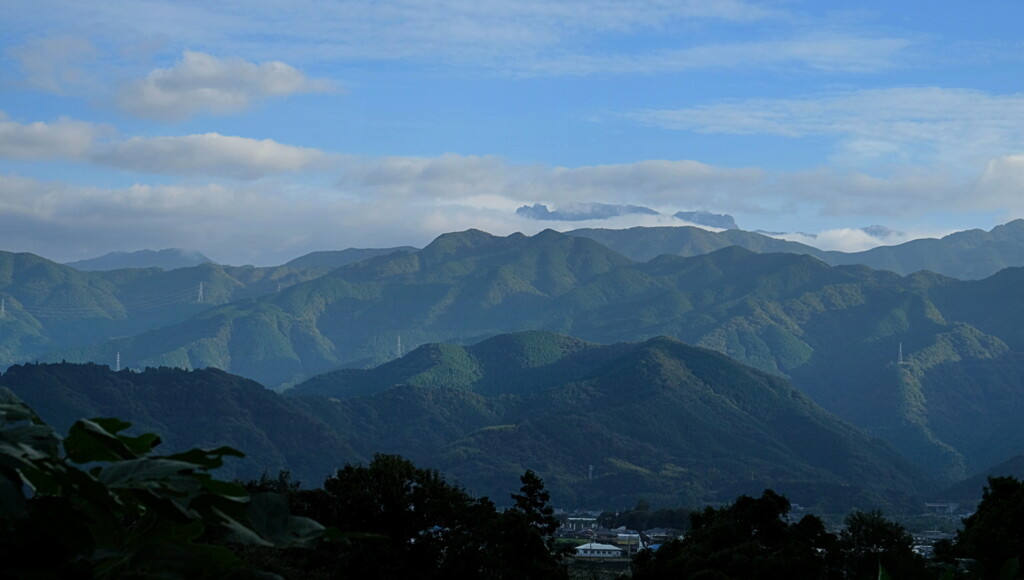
257	131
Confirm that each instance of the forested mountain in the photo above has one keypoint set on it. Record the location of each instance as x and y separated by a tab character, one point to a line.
168	259
835	331
645	243
603	425
205	408
967	255
657	419
463	285
331	259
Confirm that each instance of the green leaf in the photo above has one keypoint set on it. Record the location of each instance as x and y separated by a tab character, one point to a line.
207	458
89	441
271	519
40	438
12	501
151	473
14	410
221	488
112	425
1009	569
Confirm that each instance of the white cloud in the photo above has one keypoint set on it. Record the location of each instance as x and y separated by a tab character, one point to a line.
201	83
919	125
446	176
1001	185
255	222
655	182
62	138
857	240
398	201
207	154
457	177
56	64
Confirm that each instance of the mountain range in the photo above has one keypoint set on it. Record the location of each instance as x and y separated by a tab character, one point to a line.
605	425
168	259
837	332
968	255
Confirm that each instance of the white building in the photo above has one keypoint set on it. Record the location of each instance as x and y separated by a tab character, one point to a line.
594	550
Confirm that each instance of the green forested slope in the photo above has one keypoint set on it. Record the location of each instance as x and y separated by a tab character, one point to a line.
49	307
657	419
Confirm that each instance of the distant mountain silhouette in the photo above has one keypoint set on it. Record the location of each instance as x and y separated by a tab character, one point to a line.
967	255
703	218
338	258
169	259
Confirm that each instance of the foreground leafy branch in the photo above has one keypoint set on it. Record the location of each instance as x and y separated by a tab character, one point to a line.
98	504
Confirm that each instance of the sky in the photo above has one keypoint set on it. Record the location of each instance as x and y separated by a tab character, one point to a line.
257	131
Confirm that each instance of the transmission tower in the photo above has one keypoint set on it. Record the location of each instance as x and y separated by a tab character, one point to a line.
200	298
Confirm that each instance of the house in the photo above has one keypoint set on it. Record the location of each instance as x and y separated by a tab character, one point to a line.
595	550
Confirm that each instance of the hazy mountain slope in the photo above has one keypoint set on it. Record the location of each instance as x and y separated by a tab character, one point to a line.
330	259
969	491
967	255
49	306
461	285
659	419
643	243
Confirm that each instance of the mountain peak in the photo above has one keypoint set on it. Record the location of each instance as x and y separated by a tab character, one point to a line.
167	259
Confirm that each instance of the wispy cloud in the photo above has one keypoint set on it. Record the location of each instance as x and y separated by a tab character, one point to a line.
457	177
523	37
188	155
820	52
57	64
926	124
392	201
207	154
201	83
